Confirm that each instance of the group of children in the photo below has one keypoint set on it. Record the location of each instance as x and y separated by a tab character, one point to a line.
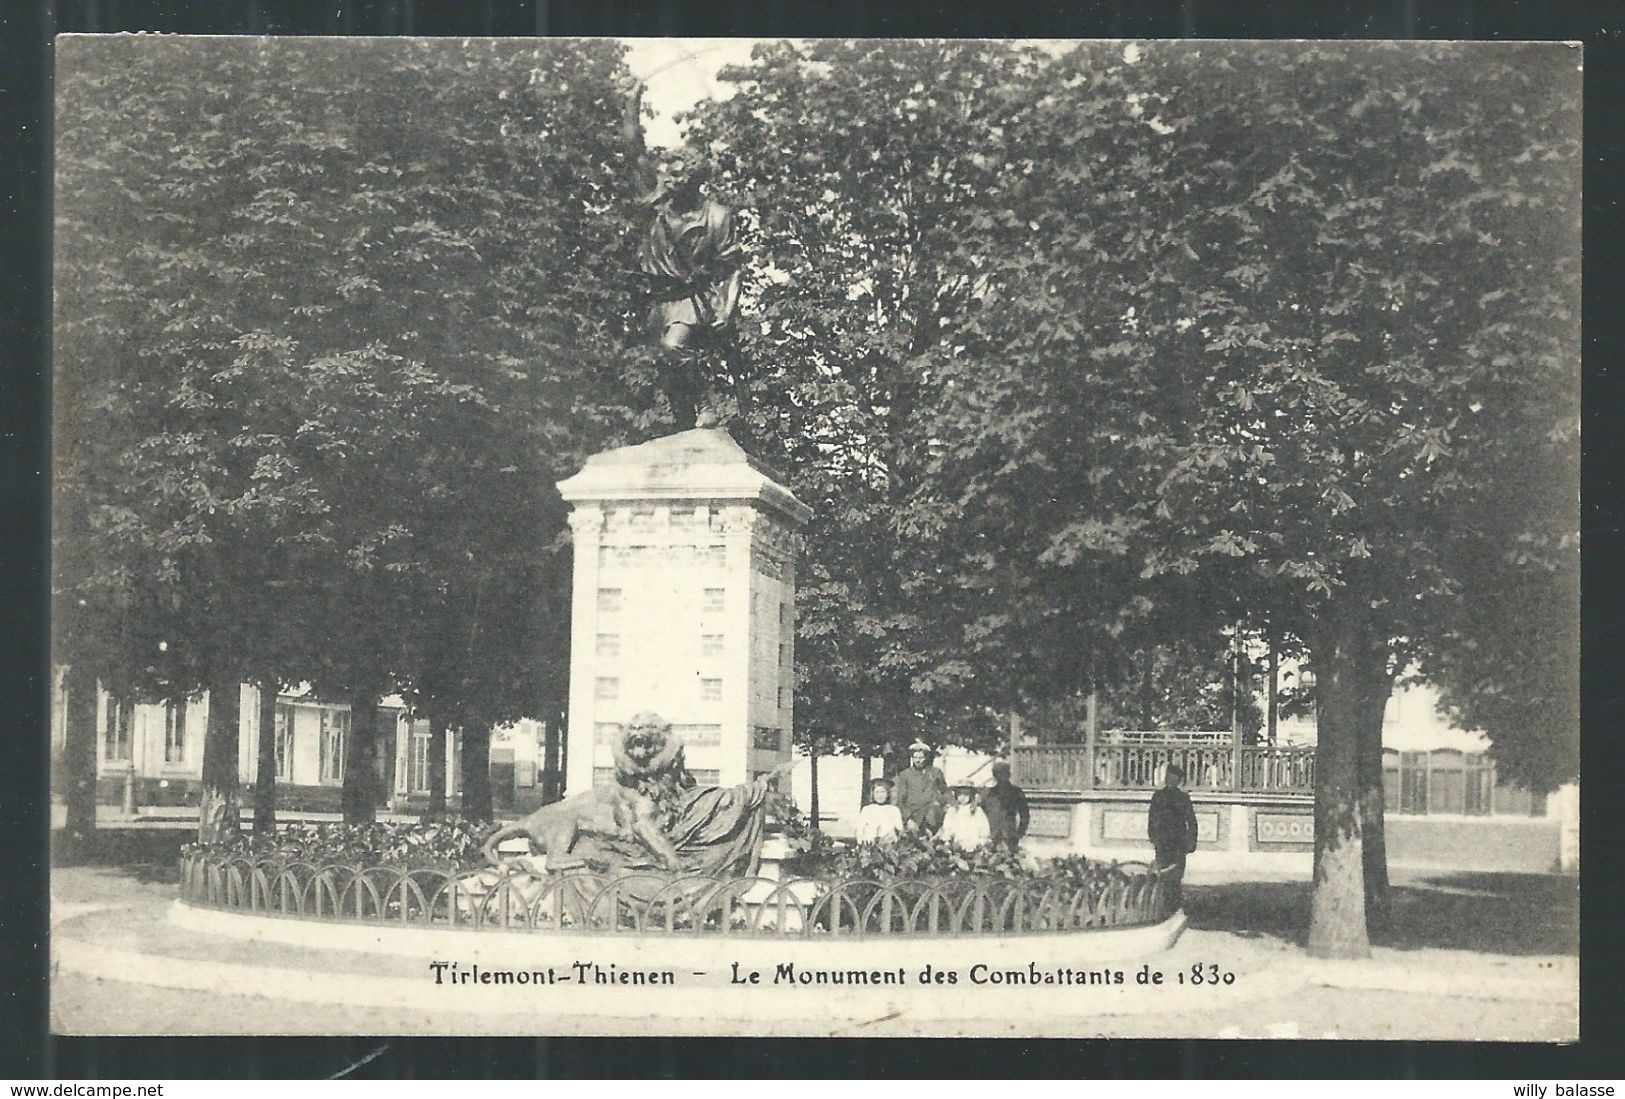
963	821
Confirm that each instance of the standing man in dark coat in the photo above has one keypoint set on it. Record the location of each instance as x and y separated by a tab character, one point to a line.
1171	824
921	791
1006	808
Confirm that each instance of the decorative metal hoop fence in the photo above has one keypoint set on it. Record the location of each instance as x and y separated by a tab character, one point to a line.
647	904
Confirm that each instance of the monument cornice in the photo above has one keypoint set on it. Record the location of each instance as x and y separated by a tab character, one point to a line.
704	464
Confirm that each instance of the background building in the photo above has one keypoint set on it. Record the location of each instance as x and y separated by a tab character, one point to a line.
151	754
1445	805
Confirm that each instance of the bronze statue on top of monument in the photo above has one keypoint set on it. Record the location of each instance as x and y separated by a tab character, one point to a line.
690	257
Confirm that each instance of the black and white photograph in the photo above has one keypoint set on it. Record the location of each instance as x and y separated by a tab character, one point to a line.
815	537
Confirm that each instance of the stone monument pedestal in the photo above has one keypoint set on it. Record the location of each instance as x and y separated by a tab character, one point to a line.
683	604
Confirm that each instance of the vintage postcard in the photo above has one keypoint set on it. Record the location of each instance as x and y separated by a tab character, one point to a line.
816	537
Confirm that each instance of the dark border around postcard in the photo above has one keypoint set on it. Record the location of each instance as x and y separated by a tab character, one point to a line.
30	1052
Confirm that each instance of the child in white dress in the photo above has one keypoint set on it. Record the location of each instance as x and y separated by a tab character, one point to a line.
879	821
965	824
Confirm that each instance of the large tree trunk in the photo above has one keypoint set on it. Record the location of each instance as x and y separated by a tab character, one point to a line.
1273	714
437	767
867	779
552	768
79	758
129	801
1337	926
265	765
1349	661
812	766
476	766
179	707
360	795
1378	907
220	805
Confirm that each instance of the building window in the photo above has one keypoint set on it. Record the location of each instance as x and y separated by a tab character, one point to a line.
609	646
603	777
1413	782
1446	792
706	776
711	644
284	743
712	602
334	740
716	555
699	736
784	698
710	690
1515	801
1479	778
1447	781
784	653
1305	704
784	614
609	600
174	732
609	687
116	734
765	738
417	764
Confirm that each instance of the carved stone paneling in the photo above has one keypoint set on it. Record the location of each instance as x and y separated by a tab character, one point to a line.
585	524
1130	824
741	520
1293	828
1050	821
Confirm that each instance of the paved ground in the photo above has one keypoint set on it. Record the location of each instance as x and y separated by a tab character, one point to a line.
1517	981
92	1005
1491	913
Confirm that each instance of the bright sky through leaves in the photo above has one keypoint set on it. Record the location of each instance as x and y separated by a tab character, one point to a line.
680	72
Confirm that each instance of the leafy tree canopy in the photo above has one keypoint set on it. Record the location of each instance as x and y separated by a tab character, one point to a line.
330	326
856	165
1257	356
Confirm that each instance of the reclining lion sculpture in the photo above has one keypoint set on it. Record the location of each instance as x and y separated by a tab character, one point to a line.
651	817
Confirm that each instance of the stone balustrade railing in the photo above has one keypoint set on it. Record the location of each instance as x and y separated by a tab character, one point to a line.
1256	769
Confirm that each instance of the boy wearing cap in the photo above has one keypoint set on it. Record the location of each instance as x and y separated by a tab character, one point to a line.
965	824
1006	808
1171	825
922	792
879	821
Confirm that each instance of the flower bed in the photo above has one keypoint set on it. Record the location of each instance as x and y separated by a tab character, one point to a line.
430	876
452	844
919	855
